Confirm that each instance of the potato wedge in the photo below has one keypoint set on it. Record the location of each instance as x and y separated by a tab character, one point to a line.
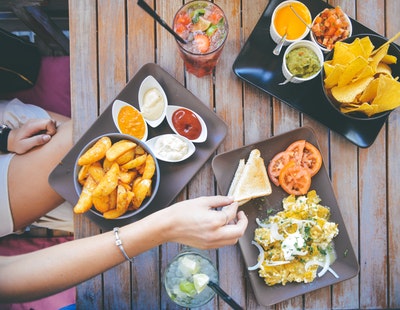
96	171
96	152
108	183
85	199
140	190
119	148
149	168
126	157
136	162
101	203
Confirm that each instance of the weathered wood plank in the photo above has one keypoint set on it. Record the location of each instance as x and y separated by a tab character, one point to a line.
140	36
84	112
112	79
393	179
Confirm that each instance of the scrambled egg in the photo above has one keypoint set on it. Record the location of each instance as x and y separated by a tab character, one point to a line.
296	241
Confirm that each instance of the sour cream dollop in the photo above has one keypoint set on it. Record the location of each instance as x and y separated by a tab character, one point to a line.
171	147
153	104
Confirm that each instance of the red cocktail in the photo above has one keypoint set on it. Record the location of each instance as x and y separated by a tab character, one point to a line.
204	26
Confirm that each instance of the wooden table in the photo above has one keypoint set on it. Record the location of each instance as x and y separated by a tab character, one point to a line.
112	39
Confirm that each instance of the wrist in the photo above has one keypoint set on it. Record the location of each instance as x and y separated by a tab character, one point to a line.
4	134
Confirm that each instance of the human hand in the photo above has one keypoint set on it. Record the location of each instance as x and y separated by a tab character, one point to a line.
198	223
33	133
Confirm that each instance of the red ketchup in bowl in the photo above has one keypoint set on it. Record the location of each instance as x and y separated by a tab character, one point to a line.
186	123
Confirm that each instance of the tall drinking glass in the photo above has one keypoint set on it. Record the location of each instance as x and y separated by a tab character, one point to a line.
204	26
186	278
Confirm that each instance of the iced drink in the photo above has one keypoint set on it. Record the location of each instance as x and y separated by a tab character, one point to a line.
187	276
204	26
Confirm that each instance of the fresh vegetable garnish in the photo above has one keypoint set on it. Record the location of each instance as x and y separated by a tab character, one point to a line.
294	179
293	168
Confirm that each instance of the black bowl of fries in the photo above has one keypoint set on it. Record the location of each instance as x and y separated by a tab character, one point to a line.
116	176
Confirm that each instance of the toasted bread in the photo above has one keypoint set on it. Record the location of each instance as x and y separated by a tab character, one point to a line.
250	180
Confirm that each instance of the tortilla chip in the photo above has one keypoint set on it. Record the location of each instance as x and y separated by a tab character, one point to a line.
351	70
348	93
332	79
388	94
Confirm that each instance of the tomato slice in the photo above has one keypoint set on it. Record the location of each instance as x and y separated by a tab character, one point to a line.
296	150
312	159
275	166
295	179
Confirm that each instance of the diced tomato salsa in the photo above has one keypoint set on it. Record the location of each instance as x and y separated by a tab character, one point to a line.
330	26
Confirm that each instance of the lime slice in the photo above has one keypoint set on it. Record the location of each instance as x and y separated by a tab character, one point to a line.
200	281
188	266
202	24
188	288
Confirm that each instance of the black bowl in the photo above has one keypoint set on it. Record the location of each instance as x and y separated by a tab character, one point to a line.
155	180
376	41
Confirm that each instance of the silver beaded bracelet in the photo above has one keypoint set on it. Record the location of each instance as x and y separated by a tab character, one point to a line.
118	242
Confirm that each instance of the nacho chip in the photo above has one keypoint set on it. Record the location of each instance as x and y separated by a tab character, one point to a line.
388	94
351	70
332	79
348	93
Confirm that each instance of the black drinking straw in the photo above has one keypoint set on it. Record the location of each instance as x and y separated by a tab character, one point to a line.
221	293
153	14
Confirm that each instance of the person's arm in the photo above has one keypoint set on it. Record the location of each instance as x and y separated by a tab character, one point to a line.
192	222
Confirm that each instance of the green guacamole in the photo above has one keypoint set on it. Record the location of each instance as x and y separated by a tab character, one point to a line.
302	62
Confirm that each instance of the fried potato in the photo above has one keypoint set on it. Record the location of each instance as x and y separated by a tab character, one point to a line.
108	183
96	171
127	177
139	150
83	174
140	190
101	203
122	204
107	164
149	168
119	148
126	157
136	162
96	152
85	199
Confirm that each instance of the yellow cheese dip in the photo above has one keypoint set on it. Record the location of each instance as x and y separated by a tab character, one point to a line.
153	104
287	21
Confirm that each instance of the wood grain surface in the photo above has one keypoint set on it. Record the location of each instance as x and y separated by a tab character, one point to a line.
112	39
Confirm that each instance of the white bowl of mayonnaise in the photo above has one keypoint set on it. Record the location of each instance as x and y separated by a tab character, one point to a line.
171	147
152	101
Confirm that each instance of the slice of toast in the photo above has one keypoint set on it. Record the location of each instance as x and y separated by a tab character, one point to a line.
251	179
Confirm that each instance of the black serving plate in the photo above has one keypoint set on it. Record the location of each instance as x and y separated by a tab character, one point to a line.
173	176
257	65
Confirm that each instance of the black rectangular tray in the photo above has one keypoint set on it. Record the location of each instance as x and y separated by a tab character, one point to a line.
174	176
257	65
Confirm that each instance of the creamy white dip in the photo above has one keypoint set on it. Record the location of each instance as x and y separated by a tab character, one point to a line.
152	104
171	147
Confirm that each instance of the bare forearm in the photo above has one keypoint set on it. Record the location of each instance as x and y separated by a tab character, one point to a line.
68	264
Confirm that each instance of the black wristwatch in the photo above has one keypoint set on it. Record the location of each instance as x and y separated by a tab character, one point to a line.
4	131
